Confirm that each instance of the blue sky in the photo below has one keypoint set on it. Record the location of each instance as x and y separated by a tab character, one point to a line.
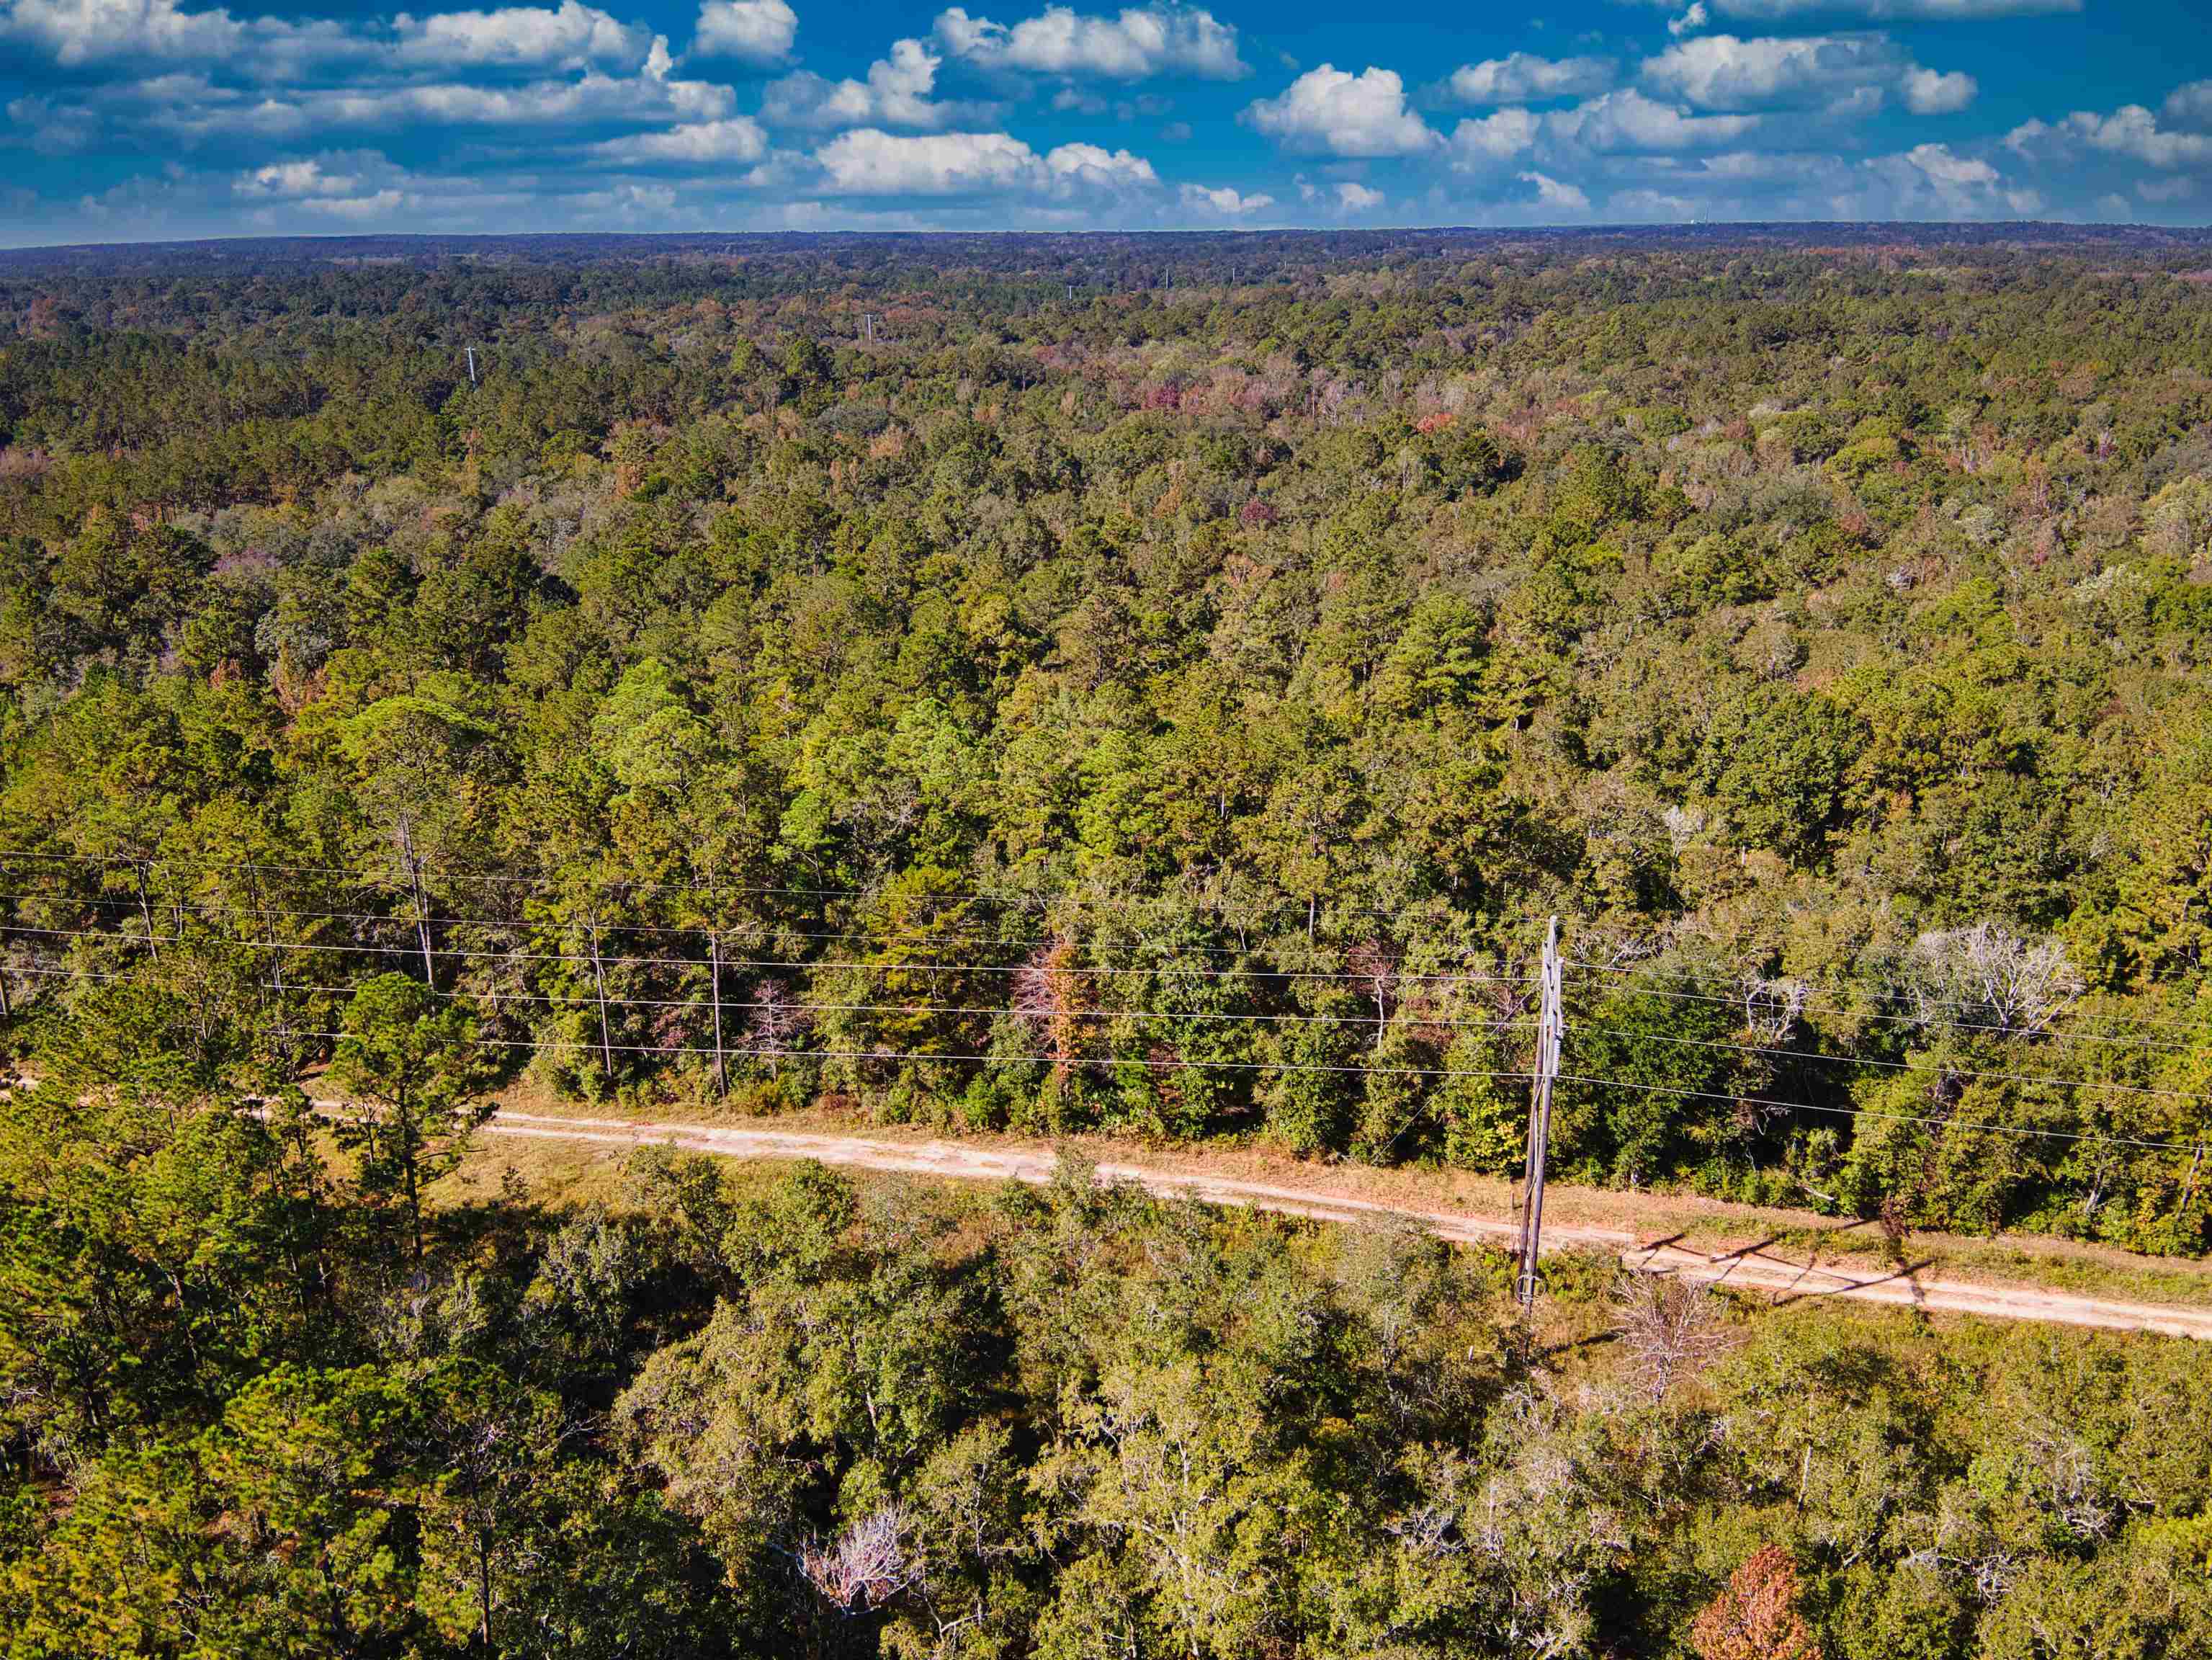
129	119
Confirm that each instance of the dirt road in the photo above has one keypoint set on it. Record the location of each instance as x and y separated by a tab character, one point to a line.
1755	1269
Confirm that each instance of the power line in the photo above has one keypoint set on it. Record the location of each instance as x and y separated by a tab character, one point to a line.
584	1001
461	953
555	1001
1934	1026
1086	971
1001	896
1894	1066
1869	1112
1836	1006
1151	1064
1196	1017
1146	1063
776	930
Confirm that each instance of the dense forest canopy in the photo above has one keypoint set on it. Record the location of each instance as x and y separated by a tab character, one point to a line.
1157	685
1176	674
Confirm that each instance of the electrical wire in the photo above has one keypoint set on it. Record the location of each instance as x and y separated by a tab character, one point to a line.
1006	896
587	999
1933	1025
1147	1063
775	930
1589	1080
1869	1112
1893	1066
1093	971
1836	1006
605	962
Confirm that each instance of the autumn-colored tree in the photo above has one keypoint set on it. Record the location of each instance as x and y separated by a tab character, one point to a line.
1755	1616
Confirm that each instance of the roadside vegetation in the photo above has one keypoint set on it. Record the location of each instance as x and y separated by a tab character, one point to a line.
259	1405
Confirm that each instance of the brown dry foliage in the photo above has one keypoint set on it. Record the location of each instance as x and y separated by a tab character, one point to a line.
1755	1616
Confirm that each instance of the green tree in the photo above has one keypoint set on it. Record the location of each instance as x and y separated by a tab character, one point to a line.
413	1059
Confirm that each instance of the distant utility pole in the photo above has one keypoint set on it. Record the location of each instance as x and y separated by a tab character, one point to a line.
714	985
1071	291
868	324
1550	1027
599	990
422	904
472	366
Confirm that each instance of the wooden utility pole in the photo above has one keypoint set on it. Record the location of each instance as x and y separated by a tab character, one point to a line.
264	923
265	920
422	905
1549	1030
714	988
599	987
146	911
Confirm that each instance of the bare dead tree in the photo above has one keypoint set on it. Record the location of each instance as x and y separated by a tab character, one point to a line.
1669	1329
1376	963
1772	1008
865	1566
1989	974
777	1019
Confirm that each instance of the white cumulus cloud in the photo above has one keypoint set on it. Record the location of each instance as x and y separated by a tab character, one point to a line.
758	31
1930	181
897	94
2190	104
75	32
651	97
1627	120
1331	110
2131	131
1937	162
1479	145
527	36
1140	42
738	139
293	178
1355	198
1230	202
1929	93
1097	168
1556	193
1848	75
1522	77
869	161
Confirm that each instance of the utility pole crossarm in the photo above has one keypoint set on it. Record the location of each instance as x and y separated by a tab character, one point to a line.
1550	1028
